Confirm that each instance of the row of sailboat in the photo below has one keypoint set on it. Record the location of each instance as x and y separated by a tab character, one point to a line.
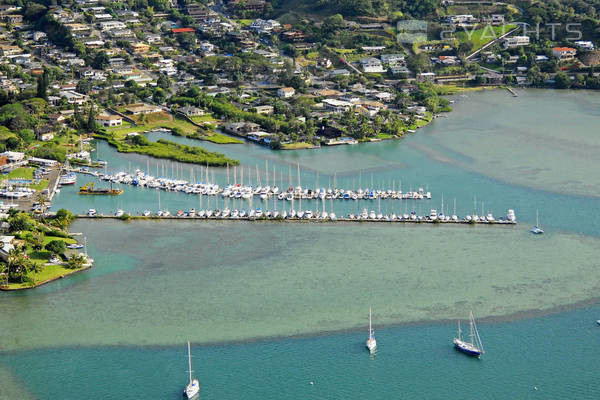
241	191
471	346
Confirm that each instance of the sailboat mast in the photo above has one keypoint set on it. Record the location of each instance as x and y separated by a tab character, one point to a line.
370	326
471	327
190	361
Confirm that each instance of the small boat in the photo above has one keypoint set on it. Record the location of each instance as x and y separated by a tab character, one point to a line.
146	213
74	246
371	342
119	213
91	212
474	347
193	388
67	179
537	230
89	189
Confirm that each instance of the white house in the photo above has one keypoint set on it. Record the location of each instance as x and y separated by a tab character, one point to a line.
584	44
286	92
371	65
337	106
108	121
392	59
516	41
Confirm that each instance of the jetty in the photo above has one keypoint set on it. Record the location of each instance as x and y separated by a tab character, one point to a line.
309	216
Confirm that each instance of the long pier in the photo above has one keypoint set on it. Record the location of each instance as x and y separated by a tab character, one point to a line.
301	220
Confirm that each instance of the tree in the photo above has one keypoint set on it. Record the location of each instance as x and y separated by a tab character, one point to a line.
563	81
465	47
42	85
91	121
37	241
18	264
84	86
65	216
56	247
20	222
100	60
76	261
163	82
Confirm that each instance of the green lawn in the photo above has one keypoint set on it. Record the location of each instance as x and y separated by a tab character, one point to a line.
482	36
154	121
48	272
208	117
25	173
219	138
297	146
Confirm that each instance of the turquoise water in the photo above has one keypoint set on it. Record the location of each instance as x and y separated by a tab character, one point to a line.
271	307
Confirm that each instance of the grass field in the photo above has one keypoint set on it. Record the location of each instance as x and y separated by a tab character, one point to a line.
49	272
482	36
297	146
219	138
25	173
154	121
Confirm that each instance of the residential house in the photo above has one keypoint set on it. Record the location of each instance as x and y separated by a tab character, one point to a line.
109	120
73	97
286	92
137	109
564	53
371	65
264	109
241	128
462	19
191	111
583	44
392	59
425	77
516	41
336	106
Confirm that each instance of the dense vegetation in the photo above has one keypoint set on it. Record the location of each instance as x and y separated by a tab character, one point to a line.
169	150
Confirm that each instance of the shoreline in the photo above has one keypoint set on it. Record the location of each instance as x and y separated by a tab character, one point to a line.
38	284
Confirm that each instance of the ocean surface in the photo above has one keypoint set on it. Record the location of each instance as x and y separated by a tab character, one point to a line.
277	310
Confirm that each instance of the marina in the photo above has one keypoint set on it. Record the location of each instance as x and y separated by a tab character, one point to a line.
248	191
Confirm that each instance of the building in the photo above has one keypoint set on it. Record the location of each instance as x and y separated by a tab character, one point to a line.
336	106
137	109
371	65
241	128
461	19
13	156
392	59
191	111
108	121
266	109
516	41
583	44
497	19
73	97
564	53
425	77
6	245
286	92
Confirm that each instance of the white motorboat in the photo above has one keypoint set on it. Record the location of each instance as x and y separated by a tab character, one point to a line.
371	341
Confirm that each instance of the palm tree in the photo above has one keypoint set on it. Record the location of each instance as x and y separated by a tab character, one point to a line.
41	199
17	263
76	261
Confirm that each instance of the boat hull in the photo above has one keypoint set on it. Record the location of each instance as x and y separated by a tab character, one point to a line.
466	349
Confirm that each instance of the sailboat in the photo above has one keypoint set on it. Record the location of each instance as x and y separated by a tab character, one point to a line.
193	388
371	341
537	230
474	347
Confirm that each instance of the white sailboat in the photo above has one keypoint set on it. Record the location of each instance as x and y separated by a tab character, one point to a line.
537	230
193	388
473	347
371	341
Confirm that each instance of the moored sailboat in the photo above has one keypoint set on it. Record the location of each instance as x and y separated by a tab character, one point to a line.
371	341
193	388
473	347
537	230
